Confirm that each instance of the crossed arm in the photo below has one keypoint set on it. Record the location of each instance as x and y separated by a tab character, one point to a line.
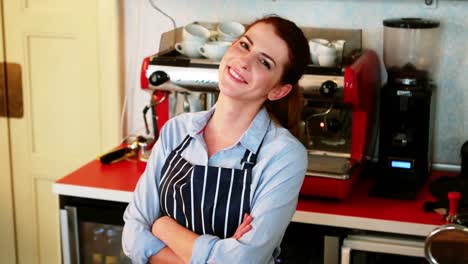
180	241
163	240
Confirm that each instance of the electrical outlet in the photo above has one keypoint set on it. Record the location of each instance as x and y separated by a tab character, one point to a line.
430	3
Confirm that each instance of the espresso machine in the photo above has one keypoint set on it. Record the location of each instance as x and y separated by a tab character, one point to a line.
338	122
340	126
410	55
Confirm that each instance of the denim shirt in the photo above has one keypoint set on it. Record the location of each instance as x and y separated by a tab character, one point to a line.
276	180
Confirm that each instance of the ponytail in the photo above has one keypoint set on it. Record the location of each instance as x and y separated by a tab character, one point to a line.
287	110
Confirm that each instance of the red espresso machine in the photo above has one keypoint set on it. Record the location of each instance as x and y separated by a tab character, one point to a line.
338	122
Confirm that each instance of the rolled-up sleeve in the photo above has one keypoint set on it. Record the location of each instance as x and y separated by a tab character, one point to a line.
137	240
273	205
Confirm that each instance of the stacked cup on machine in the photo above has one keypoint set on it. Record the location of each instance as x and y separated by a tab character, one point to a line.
194	36
226	33
199	41
325	53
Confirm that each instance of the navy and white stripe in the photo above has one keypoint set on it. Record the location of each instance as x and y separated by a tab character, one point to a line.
206	199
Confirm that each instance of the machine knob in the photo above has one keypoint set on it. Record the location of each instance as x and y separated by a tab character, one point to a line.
328	88
158	78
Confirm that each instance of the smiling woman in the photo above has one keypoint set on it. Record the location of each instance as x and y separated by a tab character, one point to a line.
224	183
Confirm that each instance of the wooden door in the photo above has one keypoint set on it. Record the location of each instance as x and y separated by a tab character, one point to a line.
65	57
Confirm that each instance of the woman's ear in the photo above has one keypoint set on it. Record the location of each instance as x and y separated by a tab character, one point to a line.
279	92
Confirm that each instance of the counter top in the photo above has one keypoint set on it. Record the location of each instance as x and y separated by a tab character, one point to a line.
117	181
365	212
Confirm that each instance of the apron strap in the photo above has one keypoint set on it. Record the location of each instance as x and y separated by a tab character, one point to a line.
184	144
249	159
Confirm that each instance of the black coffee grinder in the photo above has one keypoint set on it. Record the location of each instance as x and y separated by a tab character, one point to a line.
410	54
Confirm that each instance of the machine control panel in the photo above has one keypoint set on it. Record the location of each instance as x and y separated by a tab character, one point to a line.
178	78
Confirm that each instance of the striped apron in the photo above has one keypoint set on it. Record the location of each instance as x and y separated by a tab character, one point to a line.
206	199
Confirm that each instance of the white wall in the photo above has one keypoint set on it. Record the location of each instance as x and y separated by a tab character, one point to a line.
144	26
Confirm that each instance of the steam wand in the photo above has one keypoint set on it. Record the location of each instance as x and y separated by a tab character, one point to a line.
154	101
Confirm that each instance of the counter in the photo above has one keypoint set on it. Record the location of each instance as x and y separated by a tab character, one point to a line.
116	182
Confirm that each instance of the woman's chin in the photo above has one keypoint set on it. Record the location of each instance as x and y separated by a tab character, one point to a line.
229	91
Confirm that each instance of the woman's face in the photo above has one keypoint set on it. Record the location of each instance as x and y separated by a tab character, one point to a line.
252	67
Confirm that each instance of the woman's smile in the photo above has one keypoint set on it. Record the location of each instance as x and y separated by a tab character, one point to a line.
236	76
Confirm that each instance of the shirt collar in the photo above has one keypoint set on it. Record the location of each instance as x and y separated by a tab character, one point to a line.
251	138
200	121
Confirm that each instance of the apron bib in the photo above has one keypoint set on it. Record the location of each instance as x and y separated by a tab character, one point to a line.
206	199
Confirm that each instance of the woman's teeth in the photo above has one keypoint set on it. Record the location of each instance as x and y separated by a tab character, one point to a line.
236	75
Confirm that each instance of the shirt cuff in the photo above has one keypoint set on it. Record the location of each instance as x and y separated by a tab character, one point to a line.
202	248
145	246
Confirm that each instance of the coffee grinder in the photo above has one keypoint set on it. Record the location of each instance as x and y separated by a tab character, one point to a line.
410	54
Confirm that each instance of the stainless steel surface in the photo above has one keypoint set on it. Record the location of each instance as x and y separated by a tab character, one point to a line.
74	248
65	237
447	244
327	175
143	151
210	100
329	167
312	152
331	249
186	104
311	84
187	79
446	167
381	243
190	101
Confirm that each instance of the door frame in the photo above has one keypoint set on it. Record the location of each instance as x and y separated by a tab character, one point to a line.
7	220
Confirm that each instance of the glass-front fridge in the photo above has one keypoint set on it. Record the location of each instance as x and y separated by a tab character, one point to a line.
91	231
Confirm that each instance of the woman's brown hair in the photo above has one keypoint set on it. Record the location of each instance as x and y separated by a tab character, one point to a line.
287	110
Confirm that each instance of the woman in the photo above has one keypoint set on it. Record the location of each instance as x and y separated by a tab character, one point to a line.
222	185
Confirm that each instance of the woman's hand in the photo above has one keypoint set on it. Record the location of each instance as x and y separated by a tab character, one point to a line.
176	237
244	227
155	225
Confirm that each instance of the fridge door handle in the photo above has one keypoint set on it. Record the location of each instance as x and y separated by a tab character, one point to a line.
69	235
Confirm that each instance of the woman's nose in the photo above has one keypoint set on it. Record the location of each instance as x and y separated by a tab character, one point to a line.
246	60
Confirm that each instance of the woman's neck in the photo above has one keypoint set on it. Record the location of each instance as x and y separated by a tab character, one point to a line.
228	123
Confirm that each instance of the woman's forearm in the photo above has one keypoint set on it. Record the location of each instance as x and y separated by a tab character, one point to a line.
165	256
179	239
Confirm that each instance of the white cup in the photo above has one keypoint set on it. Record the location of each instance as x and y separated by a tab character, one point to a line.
325	60
230	30
214	50
189	48
195	32
326	50
339	45
314	44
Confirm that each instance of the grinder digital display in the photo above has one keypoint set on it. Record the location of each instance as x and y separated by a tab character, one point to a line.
401	164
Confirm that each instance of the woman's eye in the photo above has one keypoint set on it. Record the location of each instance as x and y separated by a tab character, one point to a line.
244	45
265	63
